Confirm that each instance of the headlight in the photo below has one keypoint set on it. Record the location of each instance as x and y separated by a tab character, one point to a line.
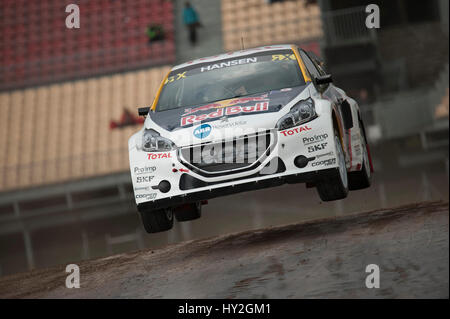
153	142
300	113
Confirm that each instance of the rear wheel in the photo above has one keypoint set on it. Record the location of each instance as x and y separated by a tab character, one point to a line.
363	178
188	212
158	220
333	185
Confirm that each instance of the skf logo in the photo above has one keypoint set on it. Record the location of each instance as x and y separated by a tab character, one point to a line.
144	179
317	147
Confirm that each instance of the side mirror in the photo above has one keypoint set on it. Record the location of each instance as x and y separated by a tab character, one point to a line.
143	111
323	79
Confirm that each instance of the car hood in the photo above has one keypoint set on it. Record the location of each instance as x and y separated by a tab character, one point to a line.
254	112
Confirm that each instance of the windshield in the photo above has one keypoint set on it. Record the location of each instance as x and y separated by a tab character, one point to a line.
230	78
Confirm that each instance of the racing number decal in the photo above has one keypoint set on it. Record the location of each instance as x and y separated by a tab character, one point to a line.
280	57
177	77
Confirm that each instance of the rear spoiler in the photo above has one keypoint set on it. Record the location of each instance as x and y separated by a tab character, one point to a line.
143	111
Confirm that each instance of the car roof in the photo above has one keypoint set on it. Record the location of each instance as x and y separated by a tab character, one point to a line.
233	54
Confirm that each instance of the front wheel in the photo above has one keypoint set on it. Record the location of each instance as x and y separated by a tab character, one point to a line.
158	220
333	184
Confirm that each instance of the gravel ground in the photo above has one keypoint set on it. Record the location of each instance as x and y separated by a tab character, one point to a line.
324	258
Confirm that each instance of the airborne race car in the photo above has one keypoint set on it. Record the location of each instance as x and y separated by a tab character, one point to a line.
242	121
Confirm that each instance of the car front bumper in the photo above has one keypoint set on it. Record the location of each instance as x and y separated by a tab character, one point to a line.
299	154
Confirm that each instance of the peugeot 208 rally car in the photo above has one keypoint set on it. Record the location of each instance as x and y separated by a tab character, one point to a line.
241	121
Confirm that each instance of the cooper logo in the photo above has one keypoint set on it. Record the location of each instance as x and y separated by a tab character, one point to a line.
314	139
327	162
295	130
144	170
153	156
318	147
146	196
144	179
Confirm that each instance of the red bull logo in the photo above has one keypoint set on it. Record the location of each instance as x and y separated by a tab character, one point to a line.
224	111
225	103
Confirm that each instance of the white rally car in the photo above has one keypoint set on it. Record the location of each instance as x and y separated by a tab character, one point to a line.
242	121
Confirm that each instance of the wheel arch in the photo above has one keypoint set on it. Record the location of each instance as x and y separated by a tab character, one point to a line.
337	123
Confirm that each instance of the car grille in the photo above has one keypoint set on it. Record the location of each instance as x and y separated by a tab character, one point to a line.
228	156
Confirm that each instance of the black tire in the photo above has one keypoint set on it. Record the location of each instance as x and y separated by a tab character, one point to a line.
188	212
158	220
333	184
363	178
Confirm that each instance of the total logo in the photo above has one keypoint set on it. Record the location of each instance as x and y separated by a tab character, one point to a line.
153	156
295	130
318	147
202	131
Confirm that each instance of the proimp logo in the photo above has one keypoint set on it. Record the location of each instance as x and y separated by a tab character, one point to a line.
314	139
202	131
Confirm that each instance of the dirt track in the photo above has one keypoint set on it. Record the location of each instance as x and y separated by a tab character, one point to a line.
322	258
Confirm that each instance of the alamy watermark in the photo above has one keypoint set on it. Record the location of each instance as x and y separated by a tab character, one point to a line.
373	17
373	279
73	280
73	19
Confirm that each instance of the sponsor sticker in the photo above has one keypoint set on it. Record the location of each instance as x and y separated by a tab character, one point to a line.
221	65
144	170
176	77
146	196
143	188
317	147
225	111
327	162
295	130
202	131
314	139
323	155
144	179
229	124
225	103
281	57
153	156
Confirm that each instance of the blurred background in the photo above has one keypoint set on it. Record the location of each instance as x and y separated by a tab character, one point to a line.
69	98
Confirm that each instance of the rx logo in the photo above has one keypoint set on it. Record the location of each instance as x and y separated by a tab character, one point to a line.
176	77
280	57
